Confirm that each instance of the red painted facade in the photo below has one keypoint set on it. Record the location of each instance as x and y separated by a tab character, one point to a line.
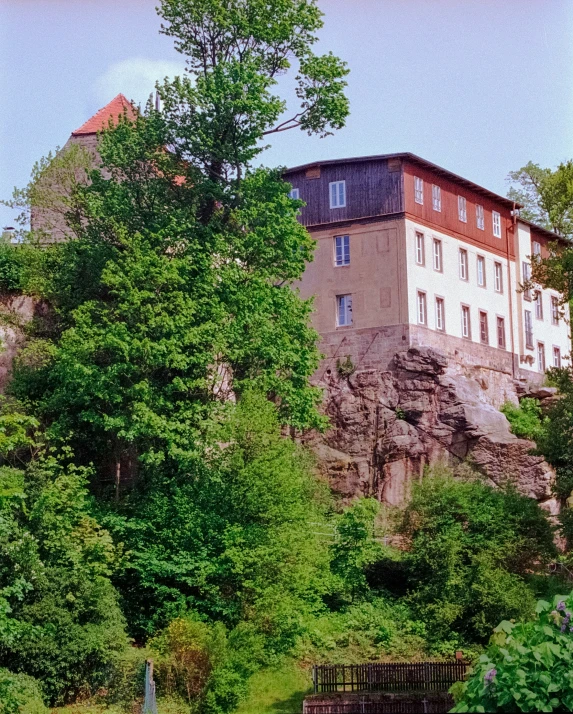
447	220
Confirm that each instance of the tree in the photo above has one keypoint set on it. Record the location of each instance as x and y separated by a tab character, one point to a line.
547	196
176	292
527	666
470	548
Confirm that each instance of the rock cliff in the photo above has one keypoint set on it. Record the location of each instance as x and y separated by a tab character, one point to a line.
388	425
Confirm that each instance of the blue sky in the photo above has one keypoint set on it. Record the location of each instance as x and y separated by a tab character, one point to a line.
477	86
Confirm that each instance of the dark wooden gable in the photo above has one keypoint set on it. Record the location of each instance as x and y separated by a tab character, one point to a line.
373	188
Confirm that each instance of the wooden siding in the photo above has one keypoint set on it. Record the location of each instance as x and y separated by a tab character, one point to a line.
447	220
371	190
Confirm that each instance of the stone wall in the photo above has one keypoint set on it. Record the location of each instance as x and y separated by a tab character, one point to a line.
15	312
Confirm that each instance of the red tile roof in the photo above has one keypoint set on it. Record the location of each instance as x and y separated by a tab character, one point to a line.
100	119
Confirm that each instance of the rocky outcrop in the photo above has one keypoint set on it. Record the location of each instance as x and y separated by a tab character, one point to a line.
387	426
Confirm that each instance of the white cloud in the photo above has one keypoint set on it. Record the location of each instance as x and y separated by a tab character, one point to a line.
135	78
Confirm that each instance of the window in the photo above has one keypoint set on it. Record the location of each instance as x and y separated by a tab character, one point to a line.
496	221
440	315
541	357
437	255
538	305
463	264
418	190
294	193
501	333
536	248
481	270
422	308
436	198
341	250
338	194
498	277
526	273
556	357
554	310
528	329
420	248
462	209
344	310
483	328
479	218
466	326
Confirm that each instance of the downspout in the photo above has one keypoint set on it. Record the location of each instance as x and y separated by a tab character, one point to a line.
510	286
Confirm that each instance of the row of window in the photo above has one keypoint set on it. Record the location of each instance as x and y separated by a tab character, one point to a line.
440	323
462	207
437	263
344	319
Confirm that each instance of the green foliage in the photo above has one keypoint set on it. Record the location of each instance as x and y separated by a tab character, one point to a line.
382	627
356	546
470	549
527	666
346	368
526	419
195	661
20	694
547	196
59	616
231	536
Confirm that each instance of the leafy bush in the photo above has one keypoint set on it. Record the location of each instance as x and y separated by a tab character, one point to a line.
470	549
526	419
11	268
230	537
59	615
527	666
20	694
196	662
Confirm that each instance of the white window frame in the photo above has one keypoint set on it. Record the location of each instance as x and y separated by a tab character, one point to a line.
526	275
554	310
480	264
538	305
541	357
496	223
420	249
500	323
440	310
437	255
556	356
528	333
344	310
483	341
436	198
463	264
419	190
294	193
536	248
480	220
337	192
422	308
341	251
466	323
498	277
462	209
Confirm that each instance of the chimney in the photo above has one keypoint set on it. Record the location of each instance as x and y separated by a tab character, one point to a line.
8	234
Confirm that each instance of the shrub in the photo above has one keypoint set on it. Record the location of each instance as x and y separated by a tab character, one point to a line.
526	419
527	666
11	268
470	550
20	694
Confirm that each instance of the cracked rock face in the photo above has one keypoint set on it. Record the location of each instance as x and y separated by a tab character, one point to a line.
388	425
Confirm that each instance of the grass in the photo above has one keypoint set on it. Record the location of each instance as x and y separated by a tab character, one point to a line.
278	691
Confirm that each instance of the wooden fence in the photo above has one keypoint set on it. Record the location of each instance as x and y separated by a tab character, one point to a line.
395	677
407	705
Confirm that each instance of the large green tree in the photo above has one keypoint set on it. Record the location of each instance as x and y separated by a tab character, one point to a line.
175	290
546	195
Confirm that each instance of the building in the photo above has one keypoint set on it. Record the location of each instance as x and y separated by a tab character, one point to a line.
409	254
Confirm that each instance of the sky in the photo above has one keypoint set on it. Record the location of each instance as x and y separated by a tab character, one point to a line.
479	87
